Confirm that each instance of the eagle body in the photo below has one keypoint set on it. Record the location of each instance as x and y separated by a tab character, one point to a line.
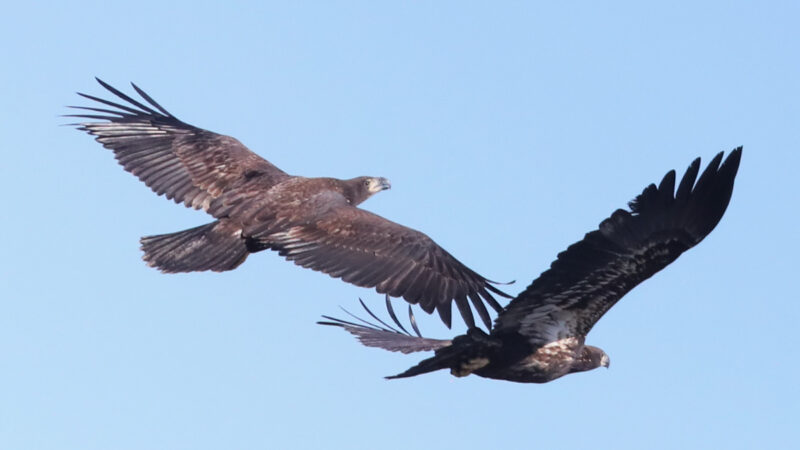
540	335
511	357
541	365
314	222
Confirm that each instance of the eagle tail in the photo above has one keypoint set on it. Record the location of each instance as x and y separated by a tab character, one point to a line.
467	353
425	366
216	246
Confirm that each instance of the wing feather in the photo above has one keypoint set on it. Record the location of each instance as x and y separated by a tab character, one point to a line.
185	163
369	251
386	336
587	279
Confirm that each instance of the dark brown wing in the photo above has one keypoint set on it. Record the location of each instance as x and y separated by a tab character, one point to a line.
385	336
187	164
463	354
369	251
629	247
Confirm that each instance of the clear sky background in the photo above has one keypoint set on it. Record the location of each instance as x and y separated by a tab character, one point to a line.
508	131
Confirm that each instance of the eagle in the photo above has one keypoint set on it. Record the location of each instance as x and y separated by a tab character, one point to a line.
540	335
314	222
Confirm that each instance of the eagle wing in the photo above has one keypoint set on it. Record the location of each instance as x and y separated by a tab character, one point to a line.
385	336
187	164
367	250
629	247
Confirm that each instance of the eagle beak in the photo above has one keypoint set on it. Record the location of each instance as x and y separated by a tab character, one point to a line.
605	361
377	184
383	184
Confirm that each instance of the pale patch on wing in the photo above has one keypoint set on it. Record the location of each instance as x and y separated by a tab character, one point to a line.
470	366
550	323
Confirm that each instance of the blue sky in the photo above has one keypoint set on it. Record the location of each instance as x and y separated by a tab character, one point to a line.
508	131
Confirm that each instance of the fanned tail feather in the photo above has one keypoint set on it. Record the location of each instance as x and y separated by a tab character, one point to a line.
216	246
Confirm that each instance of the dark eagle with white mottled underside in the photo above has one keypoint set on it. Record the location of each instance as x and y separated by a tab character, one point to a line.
540	335
314	222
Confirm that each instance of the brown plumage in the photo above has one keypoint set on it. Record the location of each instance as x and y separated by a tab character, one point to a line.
314	222
540	335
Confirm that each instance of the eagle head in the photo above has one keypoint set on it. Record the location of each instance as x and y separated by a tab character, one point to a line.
377	184
359	189
605	361
590	358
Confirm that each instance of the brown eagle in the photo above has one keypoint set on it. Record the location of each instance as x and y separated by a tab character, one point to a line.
314	222
540	335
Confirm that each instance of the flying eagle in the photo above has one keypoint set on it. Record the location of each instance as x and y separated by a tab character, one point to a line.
540	335
314	222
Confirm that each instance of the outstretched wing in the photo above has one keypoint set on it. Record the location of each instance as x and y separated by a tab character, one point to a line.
384	335
629	247
187	164
367	250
